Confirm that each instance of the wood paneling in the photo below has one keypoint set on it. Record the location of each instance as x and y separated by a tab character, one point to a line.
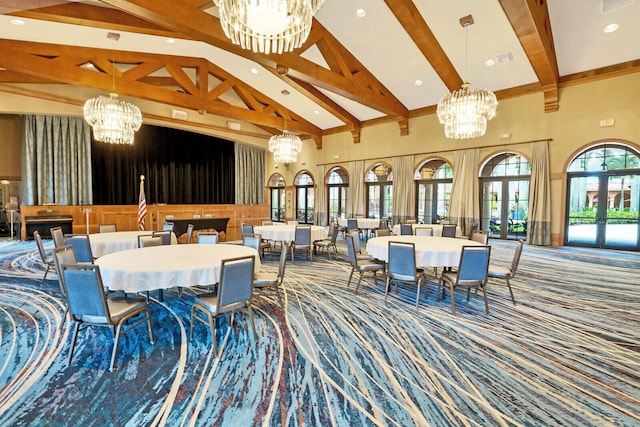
126	216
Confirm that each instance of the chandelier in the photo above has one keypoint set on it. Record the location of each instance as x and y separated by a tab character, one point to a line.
286	146
267	26
465	112
112	120
381	170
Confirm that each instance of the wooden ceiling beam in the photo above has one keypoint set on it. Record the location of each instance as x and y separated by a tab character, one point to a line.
199	25
531	23
410	18
47	61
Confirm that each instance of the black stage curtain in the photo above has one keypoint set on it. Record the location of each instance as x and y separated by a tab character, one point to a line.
178	166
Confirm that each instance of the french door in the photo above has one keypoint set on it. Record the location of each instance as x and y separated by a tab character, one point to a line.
505	207
603	210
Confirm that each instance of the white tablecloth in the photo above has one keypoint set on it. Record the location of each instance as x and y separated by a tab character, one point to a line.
161	267
437	229
108	243
430	251
286	233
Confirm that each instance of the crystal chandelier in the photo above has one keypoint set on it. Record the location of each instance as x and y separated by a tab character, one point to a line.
267	26
286	146
112	120
381	170
464	112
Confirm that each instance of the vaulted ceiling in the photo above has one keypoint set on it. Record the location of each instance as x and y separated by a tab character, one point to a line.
393	63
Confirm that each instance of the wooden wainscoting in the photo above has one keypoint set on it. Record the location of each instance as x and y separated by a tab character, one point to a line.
125	217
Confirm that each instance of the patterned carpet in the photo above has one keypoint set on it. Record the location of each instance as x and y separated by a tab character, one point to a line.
568	354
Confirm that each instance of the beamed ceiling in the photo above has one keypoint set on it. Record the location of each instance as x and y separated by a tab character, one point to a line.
352	70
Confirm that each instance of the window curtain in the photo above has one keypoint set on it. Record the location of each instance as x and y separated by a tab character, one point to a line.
403	191
56	161
465	200
320	204
250	171
356	189
539	223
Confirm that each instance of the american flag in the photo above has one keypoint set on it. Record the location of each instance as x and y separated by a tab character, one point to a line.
142	205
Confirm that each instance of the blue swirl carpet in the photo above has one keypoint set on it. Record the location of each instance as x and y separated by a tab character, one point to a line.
567	354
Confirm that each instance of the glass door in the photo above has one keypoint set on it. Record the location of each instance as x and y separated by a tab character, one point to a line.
603	211
505	206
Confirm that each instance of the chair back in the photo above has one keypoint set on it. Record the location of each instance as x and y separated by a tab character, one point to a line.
303	235
148	240
85	293
63	255
107	228
402	260
266	222
167	226
474	263
165	235
58	236
480	236
384	223
356	242
423	231
351	249
352	224
247	229
382	231
283	262
236	282
189	233
81	246
516	257
333	232
252	241
474	227
449	230
207	237
38	239
406	229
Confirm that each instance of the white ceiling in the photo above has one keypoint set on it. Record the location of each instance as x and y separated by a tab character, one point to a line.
382	45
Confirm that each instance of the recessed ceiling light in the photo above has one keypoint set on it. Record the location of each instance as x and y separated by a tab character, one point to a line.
17	21
610	28
360	13
254	71
316	112
418	82
171	41
489	62
90	65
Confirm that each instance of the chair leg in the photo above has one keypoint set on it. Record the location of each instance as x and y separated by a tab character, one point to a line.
152	338
486	299
510	291
116	343
45	274
213	333
253	326
76	329
453	299
358	285
386	289
350	276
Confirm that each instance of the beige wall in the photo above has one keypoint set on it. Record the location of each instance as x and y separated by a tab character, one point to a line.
574	126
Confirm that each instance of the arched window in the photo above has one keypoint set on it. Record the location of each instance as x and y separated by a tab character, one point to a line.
505	196
276	189
379	181
434	180
338	186
304	198
603	197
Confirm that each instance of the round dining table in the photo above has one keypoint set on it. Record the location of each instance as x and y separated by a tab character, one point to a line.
117	241
431	251
286	233
162	267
